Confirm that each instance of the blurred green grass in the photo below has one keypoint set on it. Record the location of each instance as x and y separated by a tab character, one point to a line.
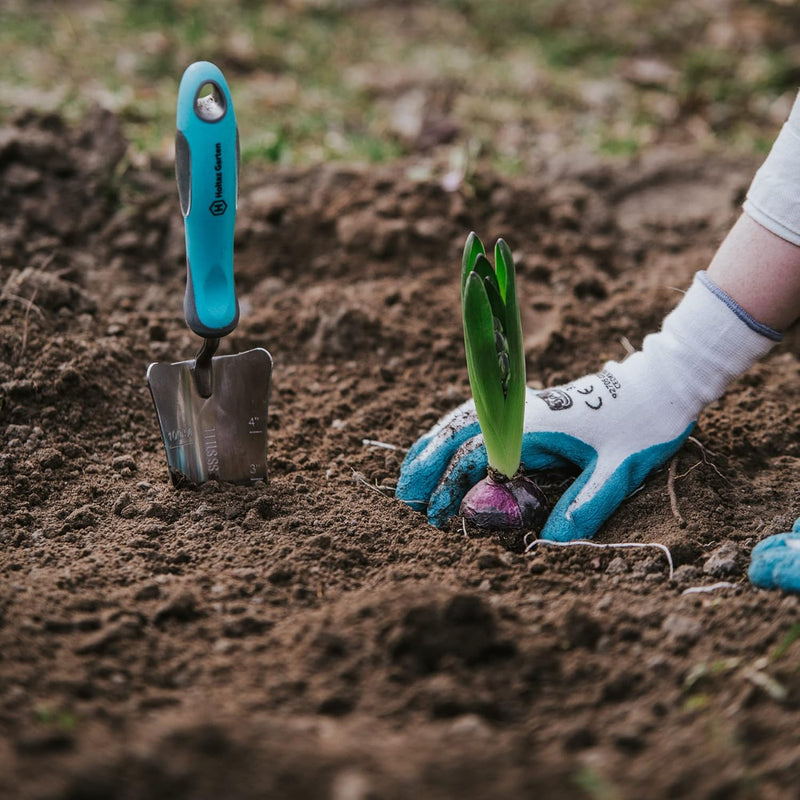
356	80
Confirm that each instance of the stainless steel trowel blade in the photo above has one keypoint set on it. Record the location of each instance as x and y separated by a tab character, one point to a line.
223	436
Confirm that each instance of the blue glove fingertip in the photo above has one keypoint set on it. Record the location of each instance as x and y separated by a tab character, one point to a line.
461	476
563	525
415	484
775	563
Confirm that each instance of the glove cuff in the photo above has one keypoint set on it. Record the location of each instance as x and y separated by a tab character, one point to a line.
704	344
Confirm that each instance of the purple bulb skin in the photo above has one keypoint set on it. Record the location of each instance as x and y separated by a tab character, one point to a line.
504	505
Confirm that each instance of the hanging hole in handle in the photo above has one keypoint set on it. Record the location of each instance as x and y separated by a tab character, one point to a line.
209	102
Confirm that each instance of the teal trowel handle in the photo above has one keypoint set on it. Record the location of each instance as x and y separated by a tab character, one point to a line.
207	169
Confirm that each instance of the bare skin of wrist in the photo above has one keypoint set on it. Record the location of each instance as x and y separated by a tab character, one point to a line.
760	271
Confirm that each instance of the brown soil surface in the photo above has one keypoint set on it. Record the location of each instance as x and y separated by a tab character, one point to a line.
314	637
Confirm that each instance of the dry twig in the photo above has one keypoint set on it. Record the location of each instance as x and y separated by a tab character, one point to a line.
381	490
673	498
712	588
23	301
26	323
705	453
383	445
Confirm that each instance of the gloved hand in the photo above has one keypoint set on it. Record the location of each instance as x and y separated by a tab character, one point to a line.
616	426
775	561
602	423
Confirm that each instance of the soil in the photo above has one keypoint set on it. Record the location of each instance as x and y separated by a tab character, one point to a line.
313	637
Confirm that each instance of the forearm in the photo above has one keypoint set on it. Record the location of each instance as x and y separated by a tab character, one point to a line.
760	271
758	264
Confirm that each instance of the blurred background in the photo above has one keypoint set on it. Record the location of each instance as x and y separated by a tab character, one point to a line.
505	81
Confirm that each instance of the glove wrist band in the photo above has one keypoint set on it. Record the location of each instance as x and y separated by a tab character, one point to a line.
753	324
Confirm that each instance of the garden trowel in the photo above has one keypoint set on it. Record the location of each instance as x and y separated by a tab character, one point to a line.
212	410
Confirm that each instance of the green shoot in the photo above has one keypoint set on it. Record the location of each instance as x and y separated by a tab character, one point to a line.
495	356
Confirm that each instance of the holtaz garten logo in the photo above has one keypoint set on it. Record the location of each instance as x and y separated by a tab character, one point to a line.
218	206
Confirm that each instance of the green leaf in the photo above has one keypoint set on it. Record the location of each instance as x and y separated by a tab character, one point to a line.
482	367
495	301
503	261
473	247
485	269
489	295
514	418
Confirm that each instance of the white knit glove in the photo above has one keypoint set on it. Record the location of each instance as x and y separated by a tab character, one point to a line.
616	426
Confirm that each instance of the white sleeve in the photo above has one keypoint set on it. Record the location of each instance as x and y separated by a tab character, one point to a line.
773	199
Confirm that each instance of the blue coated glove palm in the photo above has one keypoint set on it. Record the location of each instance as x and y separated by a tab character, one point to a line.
616	426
